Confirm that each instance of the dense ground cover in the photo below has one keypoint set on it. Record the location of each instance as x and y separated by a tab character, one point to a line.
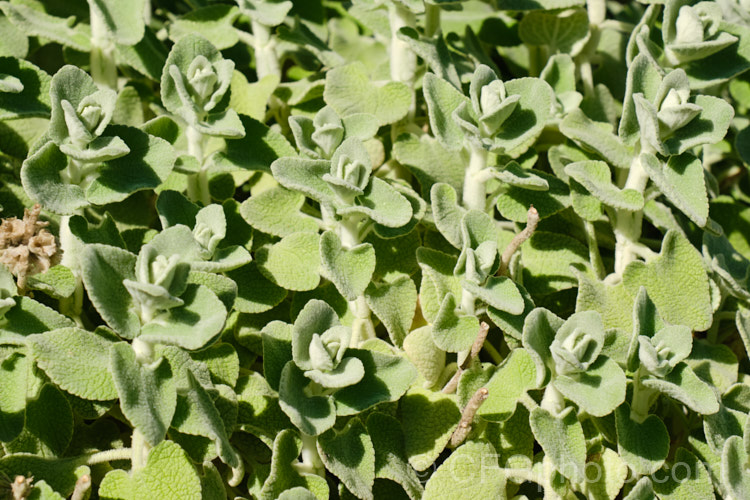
374	249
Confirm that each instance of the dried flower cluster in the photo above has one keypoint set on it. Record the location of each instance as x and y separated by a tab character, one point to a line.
25	246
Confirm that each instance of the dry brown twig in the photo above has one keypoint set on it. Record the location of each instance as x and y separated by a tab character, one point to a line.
467	416
532	219
26	247
452	384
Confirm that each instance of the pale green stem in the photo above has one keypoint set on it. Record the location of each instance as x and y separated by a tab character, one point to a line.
431	19
144	351
475	193
110	456
403	60
643	398
468	303
553	401
266	60
311	461
362	327
587	78
494	354
71	306
594	256
102	58
628	224
197	184
140	449
597	11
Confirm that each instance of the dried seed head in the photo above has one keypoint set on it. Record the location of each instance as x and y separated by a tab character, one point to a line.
27	248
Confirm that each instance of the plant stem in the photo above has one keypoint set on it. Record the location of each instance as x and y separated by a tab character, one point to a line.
311	461
403	60
140	449
431	19
362	327
553	401
642	399
109	456
266	60
597	11
594	256
474	193
71	306
628	224
197	188
83	485
102	58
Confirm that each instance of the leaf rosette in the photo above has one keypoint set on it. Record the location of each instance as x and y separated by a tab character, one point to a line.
195	86
693	32
320	136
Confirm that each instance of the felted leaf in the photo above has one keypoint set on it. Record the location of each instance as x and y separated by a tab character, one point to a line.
734	460
394	304
562	440
688	478
386	378
146	166
34	22
453	330
349	90
349	454
606	479
204	419
191	325
213	22
548	259
566	32
168	473
598	390
395	256
676	282
109	296
681	181
612	302
382	203
643	445
224	288
429	419
498	292
58	282
33	98
277	212
266	144
597	137
250	99
255	293
123	22
40	175
447	213
222	362
390	458
442	100
293	262
312	415
684	385
58	353
147	392
514	203
539	330
14	369
434	52
305	176
41	435
595	176
350	269
258	408
511	380
283	474
28	316
519	131
707	128
461	474
424	354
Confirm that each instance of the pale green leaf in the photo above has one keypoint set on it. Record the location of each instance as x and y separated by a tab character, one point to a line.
350	269
33	98
58	353
566	32
394	304
424	354
442	100
429	419
643	445
349	455
598	390
35	22
561	438
147	392
550	261
349	90
283	474
596	177
676	282
312	415
293	262
471	471
277	212
454	330
390	456
684	385
508	384
681	180
213	22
